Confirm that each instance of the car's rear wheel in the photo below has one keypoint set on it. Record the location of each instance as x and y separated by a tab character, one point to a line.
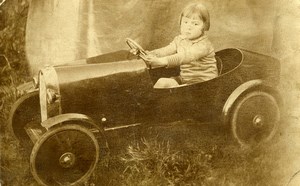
66	155
255	118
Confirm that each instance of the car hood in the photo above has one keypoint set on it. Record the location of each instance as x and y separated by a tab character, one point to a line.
75	73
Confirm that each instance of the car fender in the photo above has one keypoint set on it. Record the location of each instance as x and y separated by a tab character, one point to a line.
58	119
241	90
75	117
24	110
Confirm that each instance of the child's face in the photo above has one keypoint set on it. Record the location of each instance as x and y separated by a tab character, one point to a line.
192	28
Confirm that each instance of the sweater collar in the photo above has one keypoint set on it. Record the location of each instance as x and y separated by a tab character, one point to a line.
195	40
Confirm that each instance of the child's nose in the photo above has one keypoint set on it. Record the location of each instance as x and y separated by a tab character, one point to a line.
189	26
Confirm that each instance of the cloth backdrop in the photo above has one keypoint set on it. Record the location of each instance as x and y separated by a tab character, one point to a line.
60	31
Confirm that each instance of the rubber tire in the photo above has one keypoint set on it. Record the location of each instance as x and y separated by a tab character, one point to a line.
44	163
255	103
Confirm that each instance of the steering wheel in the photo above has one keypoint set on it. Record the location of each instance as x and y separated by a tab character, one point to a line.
133	45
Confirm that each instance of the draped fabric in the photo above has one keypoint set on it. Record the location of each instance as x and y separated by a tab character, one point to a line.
60	31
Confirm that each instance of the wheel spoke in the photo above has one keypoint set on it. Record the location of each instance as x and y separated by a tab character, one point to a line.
66	155
255	118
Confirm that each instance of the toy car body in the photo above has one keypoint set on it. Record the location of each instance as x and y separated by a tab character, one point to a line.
73	103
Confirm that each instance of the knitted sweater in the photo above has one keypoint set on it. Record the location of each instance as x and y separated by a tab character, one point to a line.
196	58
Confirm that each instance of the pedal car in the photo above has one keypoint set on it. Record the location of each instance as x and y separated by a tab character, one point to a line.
67	116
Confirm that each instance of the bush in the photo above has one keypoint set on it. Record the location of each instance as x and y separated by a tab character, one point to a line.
13	62
13	71
12	35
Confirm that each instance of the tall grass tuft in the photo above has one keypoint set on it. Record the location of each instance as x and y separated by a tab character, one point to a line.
151	162
9	91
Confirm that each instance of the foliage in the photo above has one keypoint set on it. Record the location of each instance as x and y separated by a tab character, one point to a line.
13	71
12	41
13	63
12	35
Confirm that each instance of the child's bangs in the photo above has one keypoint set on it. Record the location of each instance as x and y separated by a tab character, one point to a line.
192	13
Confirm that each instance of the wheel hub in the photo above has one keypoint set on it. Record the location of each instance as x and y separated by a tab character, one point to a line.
67	160
258	121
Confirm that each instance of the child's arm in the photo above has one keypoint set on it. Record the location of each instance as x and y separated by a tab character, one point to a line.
193	53
156	62
164	51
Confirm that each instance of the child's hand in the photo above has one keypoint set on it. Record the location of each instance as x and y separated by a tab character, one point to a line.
150	55
156	61
136	51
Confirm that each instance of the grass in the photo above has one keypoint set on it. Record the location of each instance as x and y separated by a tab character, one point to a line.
155	163
202	158
14	167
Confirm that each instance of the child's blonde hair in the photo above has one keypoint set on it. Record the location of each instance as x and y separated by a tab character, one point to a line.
197	9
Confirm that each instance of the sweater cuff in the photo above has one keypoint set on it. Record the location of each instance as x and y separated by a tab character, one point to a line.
173	61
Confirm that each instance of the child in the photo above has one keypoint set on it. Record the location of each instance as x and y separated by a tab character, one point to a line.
191	50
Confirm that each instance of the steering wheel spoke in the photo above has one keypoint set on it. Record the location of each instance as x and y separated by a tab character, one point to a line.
134	45
140	52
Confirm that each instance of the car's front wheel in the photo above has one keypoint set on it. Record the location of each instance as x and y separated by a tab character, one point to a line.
255	118
65	155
